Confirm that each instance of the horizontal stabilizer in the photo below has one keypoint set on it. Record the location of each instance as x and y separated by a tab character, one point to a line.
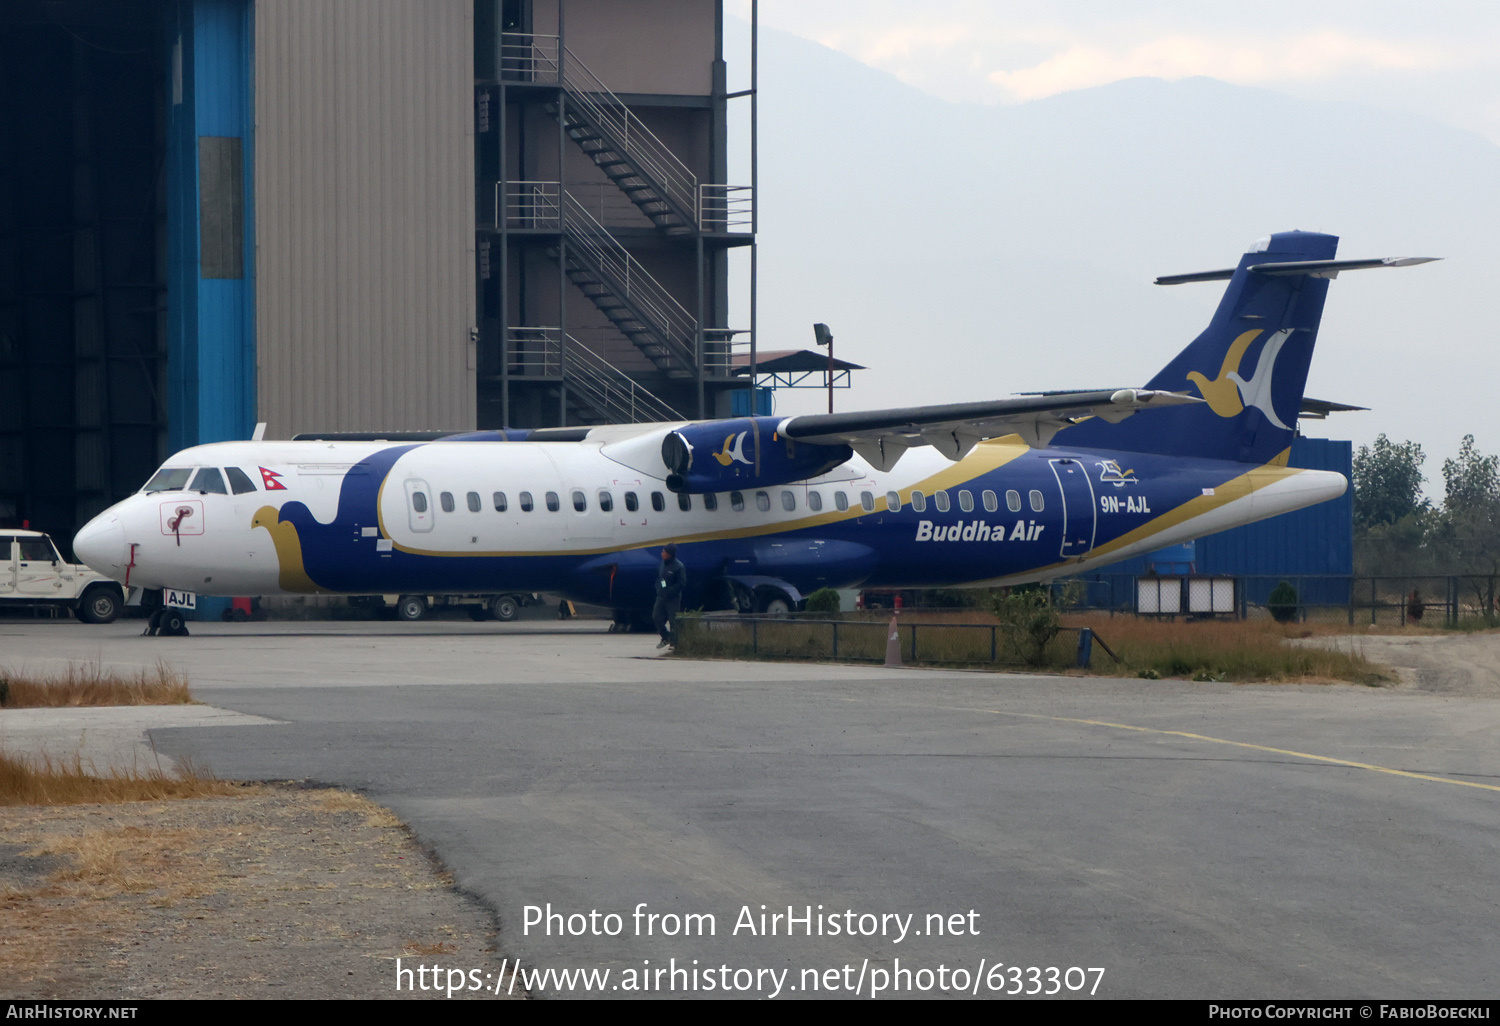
1315	268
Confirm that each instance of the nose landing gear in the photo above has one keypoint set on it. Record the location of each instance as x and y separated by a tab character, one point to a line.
165	620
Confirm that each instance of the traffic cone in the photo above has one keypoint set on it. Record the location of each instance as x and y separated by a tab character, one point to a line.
893	645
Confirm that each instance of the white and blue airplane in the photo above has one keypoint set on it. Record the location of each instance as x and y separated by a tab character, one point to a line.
764	509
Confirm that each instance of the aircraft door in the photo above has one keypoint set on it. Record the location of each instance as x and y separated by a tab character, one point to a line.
418	505
1078	507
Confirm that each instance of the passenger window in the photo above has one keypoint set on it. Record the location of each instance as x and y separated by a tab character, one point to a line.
710	502
893	501
737	501
966	500
169	480
36	550
867	500
1036	501
919	502
5	549
553	502
500	503
446	498
1013	500
788	502
991	503
763	502
684	502
419	501
606	501
209	480
841	501
580	502
474	504
526	502
239	481
940	500
658	501
815	501
631	502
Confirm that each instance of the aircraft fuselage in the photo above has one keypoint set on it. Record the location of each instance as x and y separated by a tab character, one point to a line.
565	517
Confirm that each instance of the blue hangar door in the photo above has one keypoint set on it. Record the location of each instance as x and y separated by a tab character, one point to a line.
1078	507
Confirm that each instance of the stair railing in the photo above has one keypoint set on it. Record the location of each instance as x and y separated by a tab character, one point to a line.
666	317
599	384
534	58
725	208
621	127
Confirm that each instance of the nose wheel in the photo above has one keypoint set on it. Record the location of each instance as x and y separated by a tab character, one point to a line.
168	623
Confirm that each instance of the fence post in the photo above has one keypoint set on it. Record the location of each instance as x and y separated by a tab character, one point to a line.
835	639
994	655
913	642
755	637
1404	582
1085	647
1372	602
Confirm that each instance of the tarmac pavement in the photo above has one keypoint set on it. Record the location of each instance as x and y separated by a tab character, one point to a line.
1192	840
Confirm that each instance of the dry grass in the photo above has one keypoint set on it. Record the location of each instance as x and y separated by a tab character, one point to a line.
91	684
48	781
1238	651
1229	650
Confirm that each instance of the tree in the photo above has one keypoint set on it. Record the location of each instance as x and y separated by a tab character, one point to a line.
1470	525
1388	483
1473	479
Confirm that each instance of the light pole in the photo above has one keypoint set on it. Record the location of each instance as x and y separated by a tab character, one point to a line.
824	337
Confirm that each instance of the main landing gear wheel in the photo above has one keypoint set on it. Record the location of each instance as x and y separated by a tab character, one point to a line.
777	605
504	608
411	607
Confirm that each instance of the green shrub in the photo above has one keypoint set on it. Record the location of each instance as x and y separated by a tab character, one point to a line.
824	600
1282	603
1029	622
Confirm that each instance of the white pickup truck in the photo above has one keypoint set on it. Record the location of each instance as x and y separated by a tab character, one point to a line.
33	574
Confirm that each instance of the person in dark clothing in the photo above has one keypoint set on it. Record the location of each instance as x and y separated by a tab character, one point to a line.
671	580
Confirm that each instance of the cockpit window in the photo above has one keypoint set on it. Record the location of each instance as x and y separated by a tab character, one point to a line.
169	479
209	480
239	480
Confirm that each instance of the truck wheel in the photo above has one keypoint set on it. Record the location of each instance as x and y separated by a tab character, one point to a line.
776	604
504	608
411	607
99	605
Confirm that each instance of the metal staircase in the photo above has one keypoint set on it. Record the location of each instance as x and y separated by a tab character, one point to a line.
613	137
612	279
597	393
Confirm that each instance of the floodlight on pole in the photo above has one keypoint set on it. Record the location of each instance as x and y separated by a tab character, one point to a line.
824	337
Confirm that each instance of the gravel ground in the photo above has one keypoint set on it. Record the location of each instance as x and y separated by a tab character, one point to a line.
281	892
1458	665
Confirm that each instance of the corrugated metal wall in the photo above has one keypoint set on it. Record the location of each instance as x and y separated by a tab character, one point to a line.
364	169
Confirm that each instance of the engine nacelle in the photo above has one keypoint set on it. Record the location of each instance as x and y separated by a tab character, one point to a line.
742	453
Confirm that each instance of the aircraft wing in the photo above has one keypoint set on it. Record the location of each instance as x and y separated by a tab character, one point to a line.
881	436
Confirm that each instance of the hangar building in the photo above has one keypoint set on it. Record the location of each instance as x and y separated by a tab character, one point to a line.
353	215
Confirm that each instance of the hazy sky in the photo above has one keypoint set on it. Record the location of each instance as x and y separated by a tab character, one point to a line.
1421	350
1440	59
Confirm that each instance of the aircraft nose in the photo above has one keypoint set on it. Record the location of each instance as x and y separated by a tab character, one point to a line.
101	544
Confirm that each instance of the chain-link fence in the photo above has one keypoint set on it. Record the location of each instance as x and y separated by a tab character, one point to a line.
1445	600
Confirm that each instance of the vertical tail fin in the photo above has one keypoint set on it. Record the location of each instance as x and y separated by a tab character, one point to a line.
1250	363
